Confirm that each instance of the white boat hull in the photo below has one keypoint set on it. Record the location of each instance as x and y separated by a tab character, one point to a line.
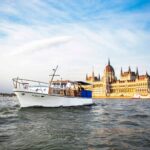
31	99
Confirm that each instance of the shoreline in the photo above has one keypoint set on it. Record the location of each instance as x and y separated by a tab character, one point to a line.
7	94
95	97
118	97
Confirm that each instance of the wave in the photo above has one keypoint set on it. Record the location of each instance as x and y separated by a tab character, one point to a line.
127	122
139	116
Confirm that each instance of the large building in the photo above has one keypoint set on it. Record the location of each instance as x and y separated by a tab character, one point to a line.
129	85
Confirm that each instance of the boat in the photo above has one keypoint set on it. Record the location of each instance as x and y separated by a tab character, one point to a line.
31	93
139	96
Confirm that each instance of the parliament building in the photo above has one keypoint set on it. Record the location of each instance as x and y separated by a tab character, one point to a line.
129	84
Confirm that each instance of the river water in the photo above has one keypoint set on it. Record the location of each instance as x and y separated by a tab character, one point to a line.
107	125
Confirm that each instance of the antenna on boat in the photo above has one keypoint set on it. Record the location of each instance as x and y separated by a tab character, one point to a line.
53	75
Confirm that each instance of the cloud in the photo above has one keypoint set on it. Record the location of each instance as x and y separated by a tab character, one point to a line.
39	45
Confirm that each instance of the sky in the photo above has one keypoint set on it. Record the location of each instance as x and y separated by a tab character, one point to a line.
76	35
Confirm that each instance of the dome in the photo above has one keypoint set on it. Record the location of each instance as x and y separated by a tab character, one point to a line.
109	73
109	68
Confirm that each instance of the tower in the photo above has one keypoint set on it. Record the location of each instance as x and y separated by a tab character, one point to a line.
99	78
147	74
109	73
93	77
108	61
86	77
137	73
121	72
129	69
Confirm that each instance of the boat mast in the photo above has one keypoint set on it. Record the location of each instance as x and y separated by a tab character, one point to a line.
53	75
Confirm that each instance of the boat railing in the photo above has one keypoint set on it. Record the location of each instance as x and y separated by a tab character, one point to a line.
46	88
30	85
39	87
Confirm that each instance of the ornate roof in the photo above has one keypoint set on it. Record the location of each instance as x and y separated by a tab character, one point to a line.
124	74
109	68
142	77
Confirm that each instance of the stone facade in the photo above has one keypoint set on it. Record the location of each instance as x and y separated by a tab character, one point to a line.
129	84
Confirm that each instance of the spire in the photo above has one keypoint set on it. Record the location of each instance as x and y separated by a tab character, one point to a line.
147	74
99	78
86	77
93	72
121	72
137	72
129	70
93	76
108	61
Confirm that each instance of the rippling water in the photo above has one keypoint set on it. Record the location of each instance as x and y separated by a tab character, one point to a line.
107	125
